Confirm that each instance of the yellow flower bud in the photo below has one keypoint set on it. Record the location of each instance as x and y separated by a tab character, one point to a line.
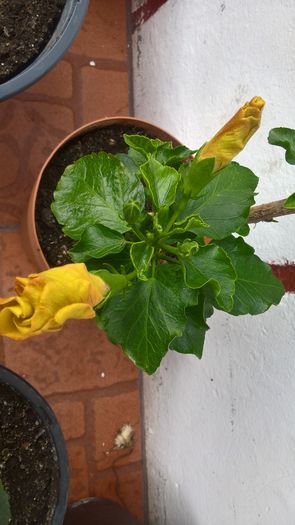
45	300
233	137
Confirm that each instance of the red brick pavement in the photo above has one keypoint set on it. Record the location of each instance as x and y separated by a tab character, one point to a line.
89	383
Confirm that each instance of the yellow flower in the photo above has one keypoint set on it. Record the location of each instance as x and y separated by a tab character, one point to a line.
233	137
45	300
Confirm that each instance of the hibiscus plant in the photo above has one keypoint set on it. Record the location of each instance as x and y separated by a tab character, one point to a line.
161	232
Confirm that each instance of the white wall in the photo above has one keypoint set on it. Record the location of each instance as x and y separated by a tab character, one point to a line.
221	432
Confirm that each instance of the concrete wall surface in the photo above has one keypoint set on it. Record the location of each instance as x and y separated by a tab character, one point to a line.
220	432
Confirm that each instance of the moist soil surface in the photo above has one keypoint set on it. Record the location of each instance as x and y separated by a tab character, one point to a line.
28	463
54	243
25	28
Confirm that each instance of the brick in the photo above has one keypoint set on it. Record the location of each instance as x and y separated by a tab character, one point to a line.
104	93
103	33
9	162
13	261
57	83
110	414
30	133
124	487
71	417
78	472
71	360
286	273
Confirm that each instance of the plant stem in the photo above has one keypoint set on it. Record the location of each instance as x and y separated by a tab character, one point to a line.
138	233
267	212
130	276
182	204
169	248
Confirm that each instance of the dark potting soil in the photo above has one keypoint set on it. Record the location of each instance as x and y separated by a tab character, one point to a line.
28	463
54	243
25	28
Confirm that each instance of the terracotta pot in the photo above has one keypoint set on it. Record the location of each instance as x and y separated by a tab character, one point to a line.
31	242
96	511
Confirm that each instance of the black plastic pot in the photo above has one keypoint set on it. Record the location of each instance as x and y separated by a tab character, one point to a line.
51	425
64	34
96	511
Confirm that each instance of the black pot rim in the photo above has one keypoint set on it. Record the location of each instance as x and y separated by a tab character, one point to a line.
48	417
69	24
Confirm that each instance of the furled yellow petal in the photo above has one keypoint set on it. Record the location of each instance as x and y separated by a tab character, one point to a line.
233	137
46	300
74	311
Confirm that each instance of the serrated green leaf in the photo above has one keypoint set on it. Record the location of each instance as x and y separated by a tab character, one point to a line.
256	286
224	204
141	255
189	224
96	242
142	144
212	266
196	175
284	137
5	513
192	339
166	154
162	182
94	190
290	202
147	316
128	162
116	281
187	247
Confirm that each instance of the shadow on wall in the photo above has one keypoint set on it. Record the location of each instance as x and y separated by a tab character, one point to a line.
168	504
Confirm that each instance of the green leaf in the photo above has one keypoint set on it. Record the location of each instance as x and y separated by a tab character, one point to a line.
162	182
143	144
256	286
166	154
225	202
189	224
116	262
187	247
212	266
290	202
145	317
193	336
132	212
94	190
116	281
128	162
141	255
97	242
284	137
197	175
5	513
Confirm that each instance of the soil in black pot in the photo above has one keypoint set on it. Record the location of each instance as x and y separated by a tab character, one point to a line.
54	243
28	462
25	28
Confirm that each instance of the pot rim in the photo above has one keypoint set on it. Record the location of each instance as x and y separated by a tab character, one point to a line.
62	37
98	123
48	418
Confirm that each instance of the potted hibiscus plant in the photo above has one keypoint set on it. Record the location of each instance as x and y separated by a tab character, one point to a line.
157	243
